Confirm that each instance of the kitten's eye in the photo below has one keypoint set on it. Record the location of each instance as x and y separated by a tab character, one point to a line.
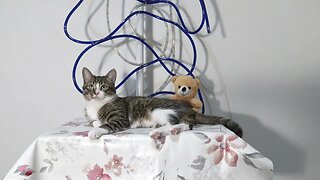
91	86
189	87
104	87
179	87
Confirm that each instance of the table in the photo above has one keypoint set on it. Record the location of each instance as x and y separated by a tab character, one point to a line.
204	153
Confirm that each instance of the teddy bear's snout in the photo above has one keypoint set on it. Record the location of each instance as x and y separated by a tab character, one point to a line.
184	91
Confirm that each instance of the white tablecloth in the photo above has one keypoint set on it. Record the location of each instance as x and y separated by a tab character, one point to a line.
205	153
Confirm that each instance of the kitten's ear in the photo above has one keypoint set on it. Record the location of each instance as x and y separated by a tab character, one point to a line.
86	75
112	75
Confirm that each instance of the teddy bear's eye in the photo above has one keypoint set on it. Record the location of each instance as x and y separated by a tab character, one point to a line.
179	87
189	87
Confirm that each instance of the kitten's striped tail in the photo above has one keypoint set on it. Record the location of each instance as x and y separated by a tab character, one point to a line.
215	120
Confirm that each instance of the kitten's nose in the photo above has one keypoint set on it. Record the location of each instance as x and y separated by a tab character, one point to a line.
184	89
97	93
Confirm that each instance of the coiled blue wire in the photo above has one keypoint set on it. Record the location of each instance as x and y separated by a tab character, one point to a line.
112	36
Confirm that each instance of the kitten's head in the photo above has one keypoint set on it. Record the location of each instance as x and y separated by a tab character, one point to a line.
98	87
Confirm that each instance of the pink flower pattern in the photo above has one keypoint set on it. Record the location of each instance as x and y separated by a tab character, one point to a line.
83	133
24	170
115	164
225	149
117	161
97	174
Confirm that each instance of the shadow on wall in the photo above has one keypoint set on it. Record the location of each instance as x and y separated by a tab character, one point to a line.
287	158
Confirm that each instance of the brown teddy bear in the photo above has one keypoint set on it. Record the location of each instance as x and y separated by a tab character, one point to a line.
186	88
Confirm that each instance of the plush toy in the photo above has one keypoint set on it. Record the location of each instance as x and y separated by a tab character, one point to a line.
186	88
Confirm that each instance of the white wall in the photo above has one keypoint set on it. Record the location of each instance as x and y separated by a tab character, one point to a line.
36	59
263	66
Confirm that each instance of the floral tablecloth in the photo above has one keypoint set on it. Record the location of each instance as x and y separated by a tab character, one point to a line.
205	153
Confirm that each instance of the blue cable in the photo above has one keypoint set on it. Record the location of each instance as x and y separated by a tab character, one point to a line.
111	36
94	43
205	17
134	71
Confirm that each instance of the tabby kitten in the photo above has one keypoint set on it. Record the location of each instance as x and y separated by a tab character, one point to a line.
110	113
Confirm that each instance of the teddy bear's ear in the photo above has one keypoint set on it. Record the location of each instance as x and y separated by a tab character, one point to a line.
173	79
197	81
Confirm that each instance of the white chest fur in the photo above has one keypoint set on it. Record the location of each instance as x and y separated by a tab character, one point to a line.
92	109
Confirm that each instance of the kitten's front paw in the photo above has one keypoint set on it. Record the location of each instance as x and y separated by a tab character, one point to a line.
96	124
96	133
